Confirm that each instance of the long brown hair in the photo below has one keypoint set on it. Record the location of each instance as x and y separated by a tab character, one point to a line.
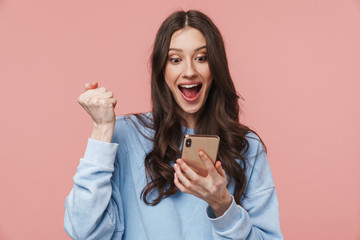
220	115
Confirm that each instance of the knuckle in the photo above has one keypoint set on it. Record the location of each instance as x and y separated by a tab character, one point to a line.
183	190
103	103
87	101
81	98
213	190
183	167
218	185
187	184
94	101
196	179
211	169
207	194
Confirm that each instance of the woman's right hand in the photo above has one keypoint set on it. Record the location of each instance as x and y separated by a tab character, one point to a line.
99	103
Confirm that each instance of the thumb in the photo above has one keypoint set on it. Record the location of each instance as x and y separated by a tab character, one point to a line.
89	86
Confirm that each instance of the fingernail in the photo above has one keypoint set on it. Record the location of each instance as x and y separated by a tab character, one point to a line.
176	166
217	164
201	153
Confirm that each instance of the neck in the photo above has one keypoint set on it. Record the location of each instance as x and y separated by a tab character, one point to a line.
189	120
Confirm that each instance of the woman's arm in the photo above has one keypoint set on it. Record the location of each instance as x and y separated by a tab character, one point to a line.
261	221
93	209
259	216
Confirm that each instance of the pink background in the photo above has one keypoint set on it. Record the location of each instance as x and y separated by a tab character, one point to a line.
296	63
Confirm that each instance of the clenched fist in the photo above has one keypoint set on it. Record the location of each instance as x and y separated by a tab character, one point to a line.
99	103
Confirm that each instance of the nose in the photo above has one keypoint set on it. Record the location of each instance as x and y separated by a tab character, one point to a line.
189	71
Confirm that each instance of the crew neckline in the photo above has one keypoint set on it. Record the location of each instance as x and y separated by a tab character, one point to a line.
187	130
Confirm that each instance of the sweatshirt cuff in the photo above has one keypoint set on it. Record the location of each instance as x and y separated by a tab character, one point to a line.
227	220
101	152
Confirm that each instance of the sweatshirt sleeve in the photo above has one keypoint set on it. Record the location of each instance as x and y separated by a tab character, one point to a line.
93	209
258	217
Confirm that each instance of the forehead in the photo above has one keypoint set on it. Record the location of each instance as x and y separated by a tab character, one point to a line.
187	38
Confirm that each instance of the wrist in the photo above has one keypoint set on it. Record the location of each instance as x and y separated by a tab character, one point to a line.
220	207
103	132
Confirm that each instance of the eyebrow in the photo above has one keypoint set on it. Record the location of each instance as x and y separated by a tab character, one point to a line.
180	50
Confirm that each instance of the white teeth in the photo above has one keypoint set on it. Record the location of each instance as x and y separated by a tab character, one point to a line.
189	86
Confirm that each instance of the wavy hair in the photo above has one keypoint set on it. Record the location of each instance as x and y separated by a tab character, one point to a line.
220	115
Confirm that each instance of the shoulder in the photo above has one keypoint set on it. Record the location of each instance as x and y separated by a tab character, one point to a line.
132	125
120	119
258	170
255	146
133	120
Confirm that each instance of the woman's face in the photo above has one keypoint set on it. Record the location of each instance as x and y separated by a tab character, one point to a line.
187	72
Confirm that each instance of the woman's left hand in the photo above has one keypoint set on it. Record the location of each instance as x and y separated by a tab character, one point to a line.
211	188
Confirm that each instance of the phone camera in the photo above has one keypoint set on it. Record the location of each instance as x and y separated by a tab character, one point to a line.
188	143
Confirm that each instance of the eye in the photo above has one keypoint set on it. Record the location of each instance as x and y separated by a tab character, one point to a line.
201	58
175	60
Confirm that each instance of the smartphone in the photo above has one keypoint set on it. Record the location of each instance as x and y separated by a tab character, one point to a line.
190	151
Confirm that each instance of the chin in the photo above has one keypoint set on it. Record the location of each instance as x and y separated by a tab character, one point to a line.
190	110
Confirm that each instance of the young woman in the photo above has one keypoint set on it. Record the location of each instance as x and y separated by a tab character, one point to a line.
132	183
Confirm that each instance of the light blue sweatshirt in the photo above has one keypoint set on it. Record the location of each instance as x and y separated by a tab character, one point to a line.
105	200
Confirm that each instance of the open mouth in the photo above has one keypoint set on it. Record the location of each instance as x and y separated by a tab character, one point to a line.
190	91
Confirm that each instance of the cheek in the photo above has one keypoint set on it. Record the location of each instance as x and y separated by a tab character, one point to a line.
208	78
170	75
170	85
166	76
204	70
